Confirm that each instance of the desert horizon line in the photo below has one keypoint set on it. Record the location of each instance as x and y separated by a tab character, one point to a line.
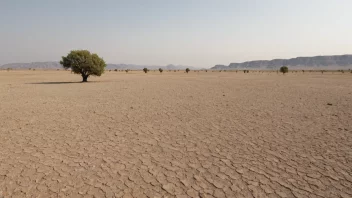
183	65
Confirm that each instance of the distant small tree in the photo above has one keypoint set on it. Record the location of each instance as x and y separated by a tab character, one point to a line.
187	70
84	63
283	69
127	70
303	71
161	70
145	70
322	71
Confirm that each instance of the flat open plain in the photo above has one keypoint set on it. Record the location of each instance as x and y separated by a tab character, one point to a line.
214	134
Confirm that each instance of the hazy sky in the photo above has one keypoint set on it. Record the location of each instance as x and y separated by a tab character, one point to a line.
198	33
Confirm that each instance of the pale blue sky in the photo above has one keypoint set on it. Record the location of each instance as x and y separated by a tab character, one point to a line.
198	33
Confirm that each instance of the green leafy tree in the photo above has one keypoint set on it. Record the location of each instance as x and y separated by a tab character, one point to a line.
187	70
84	63
283	69
145	70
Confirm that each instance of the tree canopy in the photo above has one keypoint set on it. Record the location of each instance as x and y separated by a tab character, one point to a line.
284	69
84	63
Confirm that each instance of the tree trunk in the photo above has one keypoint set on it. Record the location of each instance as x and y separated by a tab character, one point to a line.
85	78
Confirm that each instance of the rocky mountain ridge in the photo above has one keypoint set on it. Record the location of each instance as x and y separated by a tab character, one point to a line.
316	62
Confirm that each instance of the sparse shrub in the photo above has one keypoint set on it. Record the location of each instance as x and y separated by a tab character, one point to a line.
145	70
161	70
30	69
206	70
84	63
322	71
127	70
283	69
187	70
115	70
303	71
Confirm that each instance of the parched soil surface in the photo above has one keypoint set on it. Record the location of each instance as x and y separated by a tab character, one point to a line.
206	134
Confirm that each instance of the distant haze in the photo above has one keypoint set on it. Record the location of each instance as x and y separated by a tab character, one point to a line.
200	33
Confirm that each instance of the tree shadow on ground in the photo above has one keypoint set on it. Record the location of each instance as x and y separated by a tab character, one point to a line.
59	83
53	83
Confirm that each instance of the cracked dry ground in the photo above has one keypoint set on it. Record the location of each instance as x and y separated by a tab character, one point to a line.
175	135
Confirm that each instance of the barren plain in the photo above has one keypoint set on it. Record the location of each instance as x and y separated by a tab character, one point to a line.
202	134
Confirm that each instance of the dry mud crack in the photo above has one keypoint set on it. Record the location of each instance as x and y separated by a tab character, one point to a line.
175	135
